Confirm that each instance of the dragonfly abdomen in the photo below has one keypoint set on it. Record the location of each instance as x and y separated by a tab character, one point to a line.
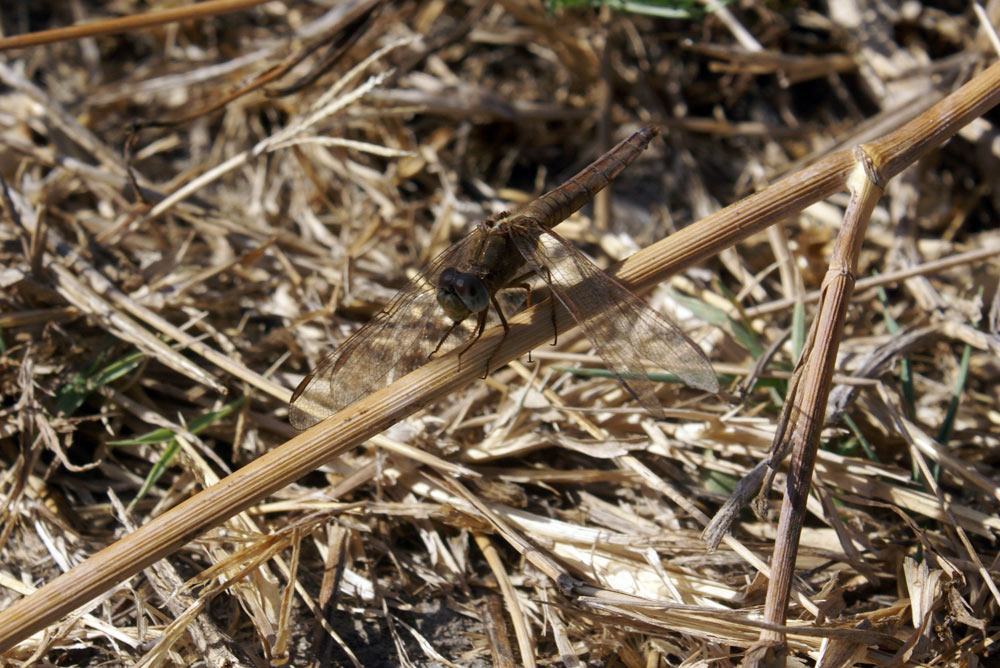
556	205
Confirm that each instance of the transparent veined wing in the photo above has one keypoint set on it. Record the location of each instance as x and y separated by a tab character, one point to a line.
627	334
399	339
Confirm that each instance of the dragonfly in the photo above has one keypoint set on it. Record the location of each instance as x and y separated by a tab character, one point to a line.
461	284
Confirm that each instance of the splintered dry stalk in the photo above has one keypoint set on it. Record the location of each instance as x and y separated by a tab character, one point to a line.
496	565
354	425
805	407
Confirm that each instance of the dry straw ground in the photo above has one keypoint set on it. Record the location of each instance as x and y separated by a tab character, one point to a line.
195	212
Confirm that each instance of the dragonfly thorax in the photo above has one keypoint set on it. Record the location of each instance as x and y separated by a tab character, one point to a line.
461	293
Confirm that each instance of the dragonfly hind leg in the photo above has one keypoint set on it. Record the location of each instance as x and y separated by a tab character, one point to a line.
527	296
506	331
552	308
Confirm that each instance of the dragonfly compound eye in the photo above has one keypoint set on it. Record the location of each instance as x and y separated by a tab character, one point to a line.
460	294
472	291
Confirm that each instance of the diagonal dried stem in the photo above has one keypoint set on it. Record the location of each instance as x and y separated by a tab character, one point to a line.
126	23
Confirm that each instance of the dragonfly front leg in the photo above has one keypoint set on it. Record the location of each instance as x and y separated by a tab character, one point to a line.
480	326
444	338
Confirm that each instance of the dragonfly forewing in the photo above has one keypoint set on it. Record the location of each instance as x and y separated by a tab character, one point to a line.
395	342
627	334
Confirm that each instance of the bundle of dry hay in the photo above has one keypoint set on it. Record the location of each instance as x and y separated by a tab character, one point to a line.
196	211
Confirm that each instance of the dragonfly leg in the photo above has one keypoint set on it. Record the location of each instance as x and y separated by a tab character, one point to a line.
552	309
552	314
506	331
444	338
527	297
521	283
480	326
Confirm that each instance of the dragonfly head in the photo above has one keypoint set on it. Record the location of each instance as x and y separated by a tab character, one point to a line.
460	294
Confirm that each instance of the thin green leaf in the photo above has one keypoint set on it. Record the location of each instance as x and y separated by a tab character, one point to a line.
655	376
669	9
195	426
798	329
862	441
948	424
71	396
746	338
905	370
166	457
160	435
710	314
741	331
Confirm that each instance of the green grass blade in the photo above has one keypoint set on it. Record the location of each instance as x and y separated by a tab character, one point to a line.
905	370
740	330
195	426
668	9
798	329
71	396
